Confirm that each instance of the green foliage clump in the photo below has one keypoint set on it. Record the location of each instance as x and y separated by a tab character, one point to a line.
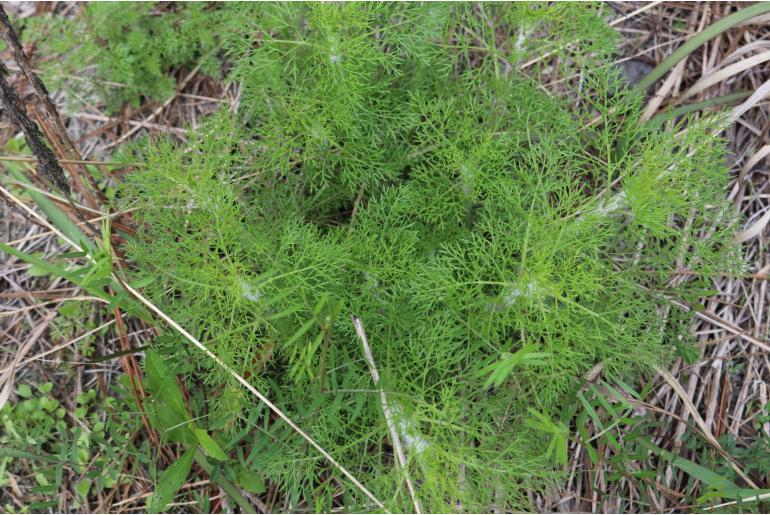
88	446
126	51
390	162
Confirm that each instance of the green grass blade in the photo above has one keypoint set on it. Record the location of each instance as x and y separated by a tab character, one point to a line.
697	106
42	264
56	216
709	477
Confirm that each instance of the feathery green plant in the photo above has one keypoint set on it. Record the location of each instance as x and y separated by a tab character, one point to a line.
391	162
125	51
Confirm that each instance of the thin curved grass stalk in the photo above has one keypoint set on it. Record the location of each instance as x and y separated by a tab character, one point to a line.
40	219
387	412
756	498
630	15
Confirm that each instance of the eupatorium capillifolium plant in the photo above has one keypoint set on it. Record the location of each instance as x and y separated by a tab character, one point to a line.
393	162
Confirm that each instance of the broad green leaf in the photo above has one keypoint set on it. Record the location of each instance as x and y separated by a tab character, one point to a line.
71	276
592	454
170	411
82	487
300	332
69	255
698	106
628	389
170	482
251	481
591	412
141	283
286	312
100	282
711	478
163	384
210	447
116	301
320	304
559	433
38	262
45	387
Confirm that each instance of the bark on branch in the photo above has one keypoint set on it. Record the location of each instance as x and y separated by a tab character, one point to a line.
47	164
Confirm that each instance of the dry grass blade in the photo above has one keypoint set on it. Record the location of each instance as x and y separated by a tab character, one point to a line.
723	324
660	95
755	159
715	77
693	412
626	17
387	412
701	38
753	230
158	110
753	100
762	20
177	131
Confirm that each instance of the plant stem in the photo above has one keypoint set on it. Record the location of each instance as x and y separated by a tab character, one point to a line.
324	353
230	489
